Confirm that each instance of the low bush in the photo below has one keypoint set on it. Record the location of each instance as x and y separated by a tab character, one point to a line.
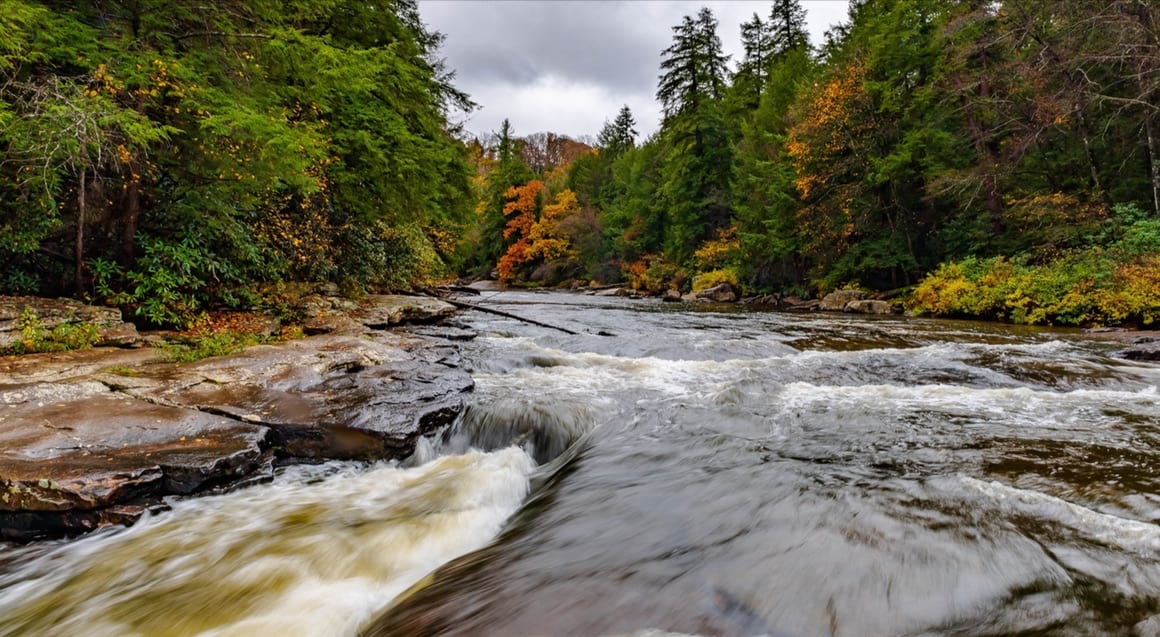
706	280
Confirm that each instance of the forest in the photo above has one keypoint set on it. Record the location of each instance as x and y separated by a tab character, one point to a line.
994	159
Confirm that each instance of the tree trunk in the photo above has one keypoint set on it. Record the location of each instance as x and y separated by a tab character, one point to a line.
129	223
1085	134
79	248
1153	160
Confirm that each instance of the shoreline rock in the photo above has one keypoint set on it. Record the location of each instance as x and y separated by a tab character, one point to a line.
98	437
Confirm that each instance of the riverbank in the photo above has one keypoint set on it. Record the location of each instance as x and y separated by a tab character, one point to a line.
100	436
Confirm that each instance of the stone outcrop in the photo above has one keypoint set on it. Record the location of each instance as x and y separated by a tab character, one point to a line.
836	301
51	313
387	310
74	456
99	436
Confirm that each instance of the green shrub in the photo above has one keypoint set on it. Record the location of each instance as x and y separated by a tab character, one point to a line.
1088	287
35	337
215	344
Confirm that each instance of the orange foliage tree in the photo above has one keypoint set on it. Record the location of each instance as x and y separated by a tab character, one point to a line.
539	229
523	204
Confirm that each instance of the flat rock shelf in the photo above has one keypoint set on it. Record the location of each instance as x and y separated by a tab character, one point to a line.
99	437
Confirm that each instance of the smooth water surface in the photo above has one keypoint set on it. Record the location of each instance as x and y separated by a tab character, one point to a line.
700	471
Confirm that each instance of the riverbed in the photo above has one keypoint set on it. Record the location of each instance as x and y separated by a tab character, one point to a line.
692	470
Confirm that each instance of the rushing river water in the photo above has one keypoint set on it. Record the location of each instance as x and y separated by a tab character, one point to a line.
697	472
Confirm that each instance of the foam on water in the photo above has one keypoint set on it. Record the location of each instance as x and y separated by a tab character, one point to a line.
281	559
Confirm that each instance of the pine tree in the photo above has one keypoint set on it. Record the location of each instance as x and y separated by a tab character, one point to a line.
619	135
694	66
695	171
787	27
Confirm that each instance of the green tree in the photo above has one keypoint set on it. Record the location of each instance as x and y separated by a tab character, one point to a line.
695	133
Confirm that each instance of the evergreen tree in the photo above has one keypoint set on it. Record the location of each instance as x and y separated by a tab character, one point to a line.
787	27
618	136
695	171
753	71
694	66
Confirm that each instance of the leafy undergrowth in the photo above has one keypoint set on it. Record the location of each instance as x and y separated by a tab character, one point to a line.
223	333
36	337
1088	287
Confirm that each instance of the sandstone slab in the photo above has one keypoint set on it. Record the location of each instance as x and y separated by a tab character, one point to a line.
324	397
76	455
720	293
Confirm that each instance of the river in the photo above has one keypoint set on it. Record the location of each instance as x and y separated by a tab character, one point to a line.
708	471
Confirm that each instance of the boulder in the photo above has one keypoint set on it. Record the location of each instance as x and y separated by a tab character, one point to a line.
119	335
836	301
331	322
486	285
671	296
869	306
611	292
1144	349
720	293
384	310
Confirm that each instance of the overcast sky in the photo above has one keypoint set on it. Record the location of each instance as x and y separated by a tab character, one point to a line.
566	66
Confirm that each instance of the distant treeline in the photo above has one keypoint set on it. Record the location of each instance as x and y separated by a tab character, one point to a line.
1021	136
1003	158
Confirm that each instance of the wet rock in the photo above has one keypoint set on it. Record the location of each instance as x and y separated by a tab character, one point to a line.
1144	349
671	296
836	301
720	293
74	456
869	306
445	332
384	310
611	292
65	366
94	437
327	397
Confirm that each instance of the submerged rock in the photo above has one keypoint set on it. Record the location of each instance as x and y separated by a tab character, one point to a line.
1145	348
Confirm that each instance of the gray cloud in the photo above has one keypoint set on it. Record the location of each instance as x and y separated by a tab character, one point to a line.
567	66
